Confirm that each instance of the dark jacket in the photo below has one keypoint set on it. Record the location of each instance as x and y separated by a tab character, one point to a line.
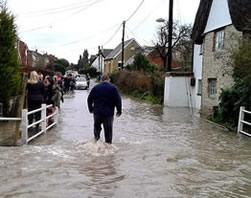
35	92
103	99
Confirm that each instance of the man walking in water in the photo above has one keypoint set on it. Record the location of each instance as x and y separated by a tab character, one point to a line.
102	100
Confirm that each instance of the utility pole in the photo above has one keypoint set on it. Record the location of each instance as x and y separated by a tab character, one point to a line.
170	35
123	43
99	65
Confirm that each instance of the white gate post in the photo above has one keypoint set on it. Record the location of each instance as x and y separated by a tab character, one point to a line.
241	117
56	115
24	126
43	115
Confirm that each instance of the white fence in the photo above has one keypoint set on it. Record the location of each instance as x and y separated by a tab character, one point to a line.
46	122
242	121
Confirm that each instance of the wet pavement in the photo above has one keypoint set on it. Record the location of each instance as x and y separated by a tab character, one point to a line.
157	152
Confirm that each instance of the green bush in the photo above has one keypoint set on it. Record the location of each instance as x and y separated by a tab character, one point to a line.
137	84
10	79
240	93
141	63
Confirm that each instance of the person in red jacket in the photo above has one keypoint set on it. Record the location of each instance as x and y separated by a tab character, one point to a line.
102	100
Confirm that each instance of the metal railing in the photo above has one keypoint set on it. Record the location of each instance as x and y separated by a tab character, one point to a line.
242	121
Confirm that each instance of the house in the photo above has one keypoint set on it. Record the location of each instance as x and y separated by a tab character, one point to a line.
113	60
219	24
35	59
38	60
154	58
98	61
22	49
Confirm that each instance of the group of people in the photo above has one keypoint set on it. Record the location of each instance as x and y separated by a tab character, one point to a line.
39	89
69	83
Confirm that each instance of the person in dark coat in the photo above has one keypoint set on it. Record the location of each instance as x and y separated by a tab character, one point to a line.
35	95
102	100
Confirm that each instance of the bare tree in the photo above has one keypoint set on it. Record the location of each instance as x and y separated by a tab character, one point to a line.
180	39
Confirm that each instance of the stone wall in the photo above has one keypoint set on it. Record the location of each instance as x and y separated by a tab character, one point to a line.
217	65
9	133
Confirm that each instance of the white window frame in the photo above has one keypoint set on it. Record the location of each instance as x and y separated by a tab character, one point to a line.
212	87
219	40
202	49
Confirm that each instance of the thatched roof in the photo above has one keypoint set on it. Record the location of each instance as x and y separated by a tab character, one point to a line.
240	12
201	20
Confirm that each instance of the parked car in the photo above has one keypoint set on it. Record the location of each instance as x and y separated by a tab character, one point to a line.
81	82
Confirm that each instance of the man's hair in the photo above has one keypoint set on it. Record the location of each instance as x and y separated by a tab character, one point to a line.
105	77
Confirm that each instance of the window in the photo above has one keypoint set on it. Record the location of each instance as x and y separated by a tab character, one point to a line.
201	49
199	89
212	89
219	40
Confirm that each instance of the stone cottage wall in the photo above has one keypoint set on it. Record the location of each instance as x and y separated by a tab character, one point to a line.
216	65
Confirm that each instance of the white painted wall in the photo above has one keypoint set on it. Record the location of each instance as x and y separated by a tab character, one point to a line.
197	70
96	64
219	15
177	92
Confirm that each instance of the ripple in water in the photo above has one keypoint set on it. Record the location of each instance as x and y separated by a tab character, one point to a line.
98	148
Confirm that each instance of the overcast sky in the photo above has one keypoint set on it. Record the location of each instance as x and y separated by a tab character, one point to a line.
66	27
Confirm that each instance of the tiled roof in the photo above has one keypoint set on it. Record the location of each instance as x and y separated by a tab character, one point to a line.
118	49
106	52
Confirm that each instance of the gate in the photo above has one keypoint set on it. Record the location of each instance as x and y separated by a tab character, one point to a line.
242	121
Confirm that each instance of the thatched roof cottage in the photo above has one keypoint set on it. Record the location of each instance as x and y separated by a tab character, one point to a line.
218	26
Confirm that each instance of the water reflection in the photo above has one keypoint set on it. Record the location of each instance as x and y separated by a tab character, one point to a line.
103	177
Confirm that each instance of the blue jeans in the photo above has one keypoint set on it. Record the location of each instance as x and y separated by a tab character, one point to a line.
107	124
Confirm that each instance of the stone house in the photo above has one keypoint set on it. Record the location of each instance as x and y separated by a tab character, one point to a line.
113	60
219	24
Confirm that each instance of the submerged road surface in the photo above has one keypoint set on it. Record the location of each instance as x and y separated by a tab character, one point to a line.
157	152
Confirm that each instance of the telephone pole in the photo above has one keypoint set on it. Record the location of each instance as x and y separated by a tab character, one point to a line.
170	35
99	62
123	43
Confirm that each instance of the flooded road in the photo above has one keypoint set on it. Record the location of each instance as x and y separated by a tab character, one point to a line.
157	152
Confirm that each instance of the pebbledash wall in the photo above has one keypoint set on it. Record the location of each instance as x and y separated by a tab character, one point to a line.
216	65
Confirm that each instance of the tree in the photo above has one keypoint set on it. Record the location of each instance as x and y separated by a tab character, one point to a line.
141	63
10	79
85	58
60	65
83	62
184	49
181	33
80	63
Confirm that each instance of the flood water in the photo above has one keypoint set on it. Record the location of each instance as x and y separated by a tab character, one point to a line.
157	152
